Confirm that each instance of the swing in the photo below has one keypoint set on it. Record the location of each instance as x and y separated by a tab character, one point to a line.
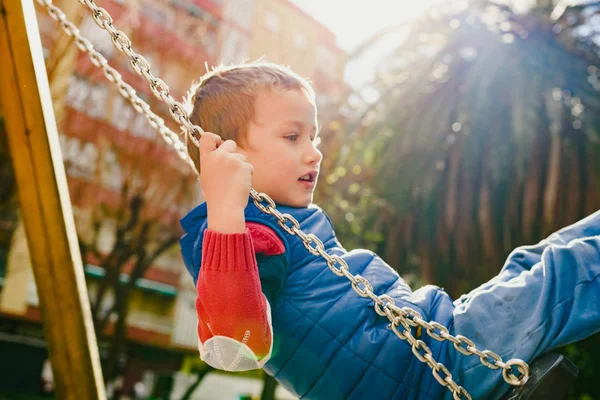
550	376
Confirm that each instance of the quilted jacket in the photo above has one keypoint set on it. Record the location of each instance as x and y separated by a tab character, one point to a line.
329	343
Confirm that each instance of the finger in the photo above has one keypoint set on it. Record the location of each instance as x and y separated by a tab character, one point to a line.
217	137
239	156
228	146
251	167
208	142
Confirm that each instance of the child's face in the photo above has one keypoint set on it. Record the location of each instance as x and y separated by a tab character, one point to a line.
282	148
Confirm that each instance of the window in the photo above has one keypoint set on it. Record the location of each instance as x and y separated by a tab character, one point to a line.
326	61
97	102
299	41
111	171
154	64
156	14
234	45
122	113
210	42
80	158
322	100
272	21
240	11
98	37
141	128
84	97
78	92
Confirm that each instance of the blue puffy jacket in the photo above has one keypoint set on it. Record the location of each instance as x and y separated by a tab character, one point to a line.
329	343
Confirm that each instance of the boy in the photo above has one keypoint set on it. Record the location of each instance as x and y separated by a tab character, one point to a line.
265	302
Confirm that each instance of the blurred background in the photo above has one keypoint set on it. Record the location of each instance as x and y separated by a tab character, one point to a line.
453	132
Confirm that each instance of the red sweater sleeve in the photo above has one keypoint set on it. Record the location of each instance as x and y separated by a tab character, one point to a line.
230	301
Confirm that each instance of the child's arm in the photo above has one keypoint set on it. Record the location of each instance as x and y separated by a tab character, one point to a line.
234	318
234	324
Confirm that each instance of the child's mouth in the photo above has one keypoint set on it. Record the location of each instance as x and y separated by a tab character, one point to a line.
308	180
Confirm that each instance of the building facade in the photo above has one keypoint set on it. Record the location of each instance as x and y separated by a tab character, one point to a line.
281	32
106	143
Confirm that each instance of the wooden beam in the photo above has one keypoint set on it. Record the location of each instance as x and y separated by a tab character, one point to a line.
45	205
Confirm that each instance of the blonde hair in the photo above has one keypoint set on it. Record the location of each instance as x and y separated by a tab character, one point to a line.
222	101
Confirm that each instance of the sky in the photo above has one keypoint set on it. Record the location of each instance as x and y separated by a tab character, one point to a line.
360	19
354	21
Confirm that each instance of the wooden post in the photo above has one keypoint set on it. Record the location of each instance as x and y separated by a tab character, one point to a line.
45	205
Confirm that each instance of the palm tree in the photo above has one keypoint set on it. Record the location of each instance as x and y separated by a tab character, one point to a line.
484	136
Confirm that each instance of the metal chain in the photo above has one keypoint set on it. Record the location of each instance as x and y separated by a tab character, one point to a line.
384	305
401	317
128	92
141	66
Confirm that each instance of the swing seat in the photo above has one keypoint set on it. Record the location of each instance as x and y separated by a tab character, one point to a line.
551	377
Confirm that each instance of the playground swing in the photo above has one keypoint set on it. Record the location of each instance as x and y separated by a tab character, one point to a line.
550	375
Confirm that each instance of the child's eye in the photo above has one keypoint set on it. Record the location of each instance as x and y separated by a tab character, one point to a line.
293	137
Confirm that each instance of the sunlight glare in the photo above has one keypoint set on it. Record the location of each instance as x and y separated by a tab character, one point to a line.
354	22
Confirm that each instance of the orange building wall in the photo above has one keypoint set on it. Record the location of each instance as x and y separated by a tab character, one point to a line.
285	34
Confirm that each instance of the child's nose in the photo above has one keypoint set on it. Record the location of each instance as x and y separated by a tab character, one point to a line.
313	155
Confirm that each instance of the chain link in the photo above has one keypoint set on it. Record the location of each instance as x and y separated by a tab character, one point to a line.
114	76
400	318
404	317
141	66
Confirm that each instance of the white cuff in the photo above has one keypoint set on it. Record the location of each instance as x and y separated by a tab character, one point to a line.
225	353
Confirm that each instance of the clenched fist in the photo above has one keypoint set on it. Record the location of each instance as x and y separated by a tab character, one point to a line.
225	177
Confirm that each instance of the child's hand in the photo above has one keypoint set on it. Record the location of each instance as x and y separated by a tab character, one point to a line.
225	177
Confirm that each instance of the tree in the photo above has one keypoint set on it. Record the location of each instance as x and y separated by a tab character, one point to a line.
269	387
200	374
484	117
132	192
484	137
139	212
9	206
